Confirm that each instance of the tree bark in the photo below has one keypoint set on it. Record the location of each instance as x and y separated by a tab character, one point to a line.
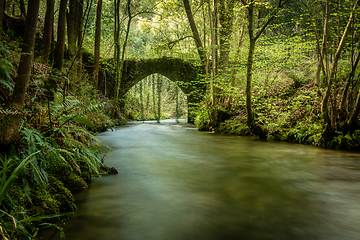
159	86
322	51
11	123
195	32
79	27
226	16
60	46
2	9
343	107
256	127
214	57
97	42
71	27
22	8
122	60
354	115
48	30
324	103
250	115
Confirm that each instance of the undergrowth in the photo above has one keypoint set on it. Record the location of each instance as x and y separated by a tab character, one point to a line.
56	151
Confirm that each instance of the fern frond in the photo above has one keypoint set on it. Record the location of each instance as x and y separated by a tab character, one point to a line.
10	111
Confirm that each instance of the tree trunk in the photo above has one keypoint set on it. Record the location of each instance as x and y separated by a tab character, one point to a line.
322	51
10	124
71	27
226	16
214	63
48	30
250	115
122	60
159	86
22	8
97	42
2	9
60	46
351	124
195	32
79	29
324	103
177	103
141	101
116	44
153	94
343	104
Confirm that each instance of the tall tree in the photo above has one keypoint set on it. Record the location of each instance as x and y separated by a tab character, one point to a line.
195	32
213	16
226	16
330	118
117	46
71	27
159	88
79	28
48	30
10	123
256	127
141	100
97	42
2	9
60	46
22	8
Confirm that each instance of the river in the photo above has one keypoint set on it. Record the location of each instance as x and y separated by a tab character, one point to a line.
176	183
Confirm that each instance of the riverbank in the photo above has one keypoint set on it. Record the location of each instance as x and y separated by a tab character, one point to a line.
290	114
56	152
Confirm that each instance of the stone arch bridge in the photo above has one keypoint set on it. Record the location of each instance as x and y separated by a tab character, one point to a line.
183	73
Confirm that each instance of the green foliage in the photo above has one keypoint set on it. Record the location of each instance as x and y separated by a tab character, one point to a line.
235	126
348	141
202	119
5	68
305	132
10	169
9	172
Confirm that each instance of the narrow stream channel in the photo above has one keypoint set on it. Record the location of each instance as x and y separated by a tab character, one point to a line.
176	183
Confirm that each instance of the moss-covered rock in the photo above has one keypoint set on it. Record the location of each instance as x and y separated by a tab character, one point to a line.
62	195
104	170
71	179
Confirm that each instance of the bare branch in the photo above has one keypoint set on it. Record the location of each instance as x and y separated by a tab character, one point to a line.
273	15
172	43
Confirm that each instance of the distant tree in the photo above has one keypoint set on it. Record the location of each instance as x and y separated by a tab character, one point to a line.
48	30
60	46
159	87
97	42
22	8
71	27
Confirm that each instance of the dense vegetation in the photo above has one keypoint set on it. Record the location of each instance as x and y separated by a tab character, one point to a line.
277	69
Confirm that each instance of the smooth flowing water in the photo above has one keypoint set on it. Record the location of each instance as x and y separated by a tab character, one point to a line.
177	183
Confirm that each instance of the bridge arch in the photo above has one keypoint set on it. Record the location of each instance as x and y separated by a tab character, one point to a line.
185	75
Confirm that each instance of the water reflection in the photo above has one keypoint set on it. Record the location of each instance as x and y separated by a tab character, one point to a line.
179	184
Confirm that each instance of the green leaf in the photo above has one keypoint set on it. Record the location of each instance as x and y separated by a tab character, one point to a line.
82	120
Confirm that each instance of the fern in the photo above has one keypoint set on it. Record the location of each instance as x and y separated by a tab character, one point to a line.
6	179
91	108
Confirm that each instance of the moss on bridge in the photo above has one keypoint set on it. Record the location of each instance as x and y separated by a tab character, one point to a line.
185	74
